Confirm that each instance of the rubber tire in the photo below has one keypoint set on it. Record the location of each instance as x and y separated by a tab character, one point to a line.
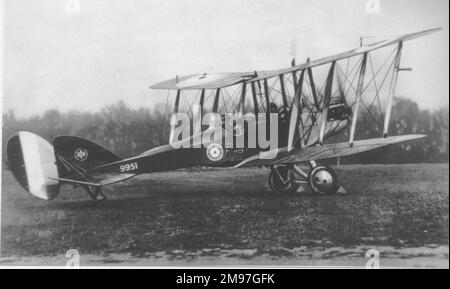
333	174
277	185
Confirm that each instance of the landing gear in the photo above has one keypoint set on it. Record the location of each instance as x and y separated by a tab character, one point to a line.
95	192
287	179
281	180
322	180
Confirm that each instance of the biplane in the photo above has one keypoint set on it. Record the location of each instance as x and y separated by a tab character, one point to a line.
322	106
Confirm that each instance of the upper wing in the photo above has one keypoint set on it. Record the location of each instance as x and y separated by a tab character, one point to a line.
204	81
219	80
326	151
347	54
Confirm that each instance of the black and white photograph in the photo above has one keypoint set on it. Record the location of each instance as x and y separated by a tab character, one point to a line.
251	134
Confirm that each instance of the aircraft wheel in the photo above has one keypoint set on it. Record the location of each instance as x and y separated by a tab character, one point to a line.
322	180
277	185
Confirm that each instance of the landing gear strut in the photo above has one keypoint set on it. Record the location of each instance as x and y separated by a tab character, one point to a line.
287	179
281	180
95	192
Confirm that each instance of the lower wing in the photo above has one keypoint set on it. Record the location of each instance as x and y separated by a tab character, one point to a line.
325	151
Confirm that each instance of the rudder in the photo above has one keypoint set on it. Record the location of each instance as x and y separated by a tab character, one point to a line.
41	168
32	162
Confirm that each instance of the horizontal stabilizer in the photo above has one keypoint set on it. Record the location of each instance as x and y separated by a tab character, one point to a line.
99	180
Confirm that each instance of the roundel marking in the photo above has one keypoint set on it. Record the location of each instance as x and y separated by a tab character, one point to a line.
214	152
81	154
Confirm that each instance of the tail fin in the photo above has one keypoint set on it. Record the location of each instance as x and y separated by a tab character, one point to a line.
33	164
40	167
79	153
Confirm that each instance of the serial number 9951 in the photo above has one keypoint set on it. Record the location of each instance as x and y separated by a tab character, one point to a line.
128	167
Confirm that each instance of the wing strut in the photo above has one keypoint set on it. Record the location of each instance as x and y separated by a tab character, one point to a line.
255	99
283	91
202	100
266	94
175	110
326	101
177	102
293	122
259	93
359	91
242	102
313	85
216	101
392	88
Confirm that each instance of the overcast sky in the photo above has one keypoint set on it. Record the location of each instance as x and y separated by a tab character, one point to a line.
60	54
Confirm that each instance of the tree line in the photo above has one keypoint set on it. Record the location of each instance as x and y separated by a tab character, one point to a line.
128	132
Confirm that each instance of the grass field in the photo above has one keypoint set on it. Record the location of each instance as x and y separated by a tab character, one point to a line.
184	214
